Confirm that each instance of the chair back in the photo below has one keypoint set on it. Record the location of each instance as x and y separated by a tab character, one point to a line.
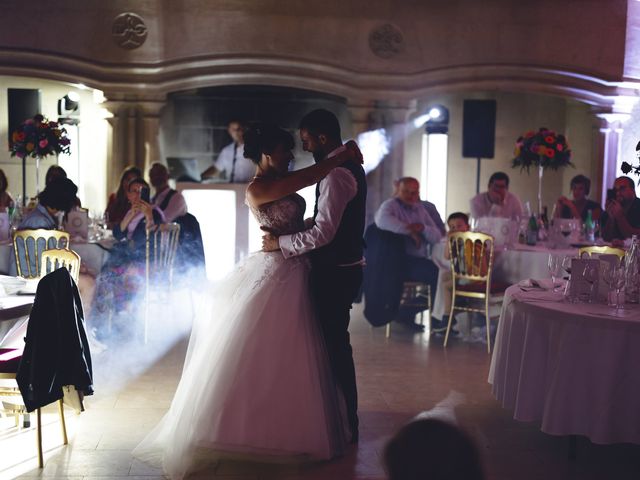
161	247
60	258
601	250
471	256
28	247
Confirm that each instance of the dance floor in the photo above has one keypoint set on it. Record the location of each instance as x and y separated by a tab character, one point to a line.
399	378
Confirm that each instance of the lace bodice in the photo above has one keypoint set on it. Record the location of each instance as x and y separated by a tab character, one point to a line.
282	216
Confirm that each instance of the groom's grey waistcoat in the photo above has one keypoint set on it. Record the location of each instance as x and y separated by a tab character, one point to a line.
347	245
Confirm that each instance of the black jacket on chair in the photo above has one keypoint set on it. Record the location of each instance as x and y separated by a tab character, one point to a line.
383	274
56	351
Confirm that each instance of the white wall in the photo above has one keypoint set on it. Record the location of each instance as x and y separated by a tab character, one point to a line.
89	172
516	113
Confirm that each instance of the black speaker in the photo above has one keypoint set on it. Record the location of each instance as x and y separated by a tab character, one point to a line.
24	103
479	128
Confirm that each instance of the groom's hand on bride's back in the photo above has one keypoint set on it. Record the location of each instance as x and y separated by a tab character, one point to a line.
269	240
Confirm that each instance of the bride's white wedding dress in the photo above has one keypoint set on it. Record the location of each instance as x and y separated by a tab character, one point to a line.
256	378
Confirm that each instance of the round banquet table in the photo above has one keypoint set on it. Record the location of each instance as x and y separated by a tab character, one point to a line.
571	367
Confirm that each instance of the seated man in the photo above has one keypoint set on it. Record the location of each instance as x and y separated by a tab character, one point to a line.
431	208
404	214
621	219
497	201
170	201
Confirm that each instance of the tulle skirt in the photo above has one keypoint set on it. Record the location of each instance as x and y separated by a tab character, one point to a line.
256	379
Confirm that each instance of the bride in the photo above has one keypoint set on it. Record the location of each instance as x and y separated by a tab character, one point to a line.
256	379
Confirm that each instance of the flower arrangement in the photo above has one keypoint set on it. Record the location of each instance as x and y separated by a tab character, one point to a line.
544	148
38	137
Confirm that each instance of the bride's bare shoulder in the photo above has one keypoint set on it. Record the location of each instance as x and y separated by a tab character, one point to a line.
256	191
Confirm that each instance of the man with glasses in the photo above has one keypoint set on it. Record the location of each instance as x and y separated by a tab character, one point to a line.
621	219
497	201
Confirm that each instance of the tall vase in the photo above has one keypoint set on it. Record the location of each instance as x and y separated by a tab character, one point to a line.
37	174
540	172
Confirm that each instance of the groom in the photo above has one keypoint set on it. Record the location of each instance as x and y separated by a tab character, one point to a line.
334	240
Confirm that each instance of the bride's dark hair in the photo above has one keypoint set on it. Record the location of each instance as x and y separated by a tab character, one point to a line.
262	138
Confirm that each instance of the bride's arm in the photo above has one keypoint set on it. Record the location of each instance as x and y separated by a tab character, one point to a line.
268	190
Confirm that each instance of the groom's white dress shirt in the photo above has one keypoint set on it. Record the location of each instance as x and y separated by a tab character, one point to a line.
337	189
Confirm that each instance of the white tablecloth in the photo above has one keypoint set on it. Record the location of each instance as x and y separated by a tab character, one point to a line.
571	367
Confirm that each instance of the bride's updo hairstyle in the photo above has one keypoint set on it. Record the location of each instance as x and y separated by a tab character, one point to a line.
262	138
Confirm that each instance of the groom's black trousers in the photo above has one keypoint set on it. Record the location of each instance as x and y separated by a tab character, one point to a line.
334	290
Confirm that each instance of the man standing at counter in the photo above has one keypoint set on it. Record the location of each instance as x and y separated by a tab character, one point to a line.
231	164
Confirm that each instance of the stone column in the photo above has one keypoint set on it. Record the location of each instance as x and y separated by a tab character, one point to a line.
135	136
369	115
609	151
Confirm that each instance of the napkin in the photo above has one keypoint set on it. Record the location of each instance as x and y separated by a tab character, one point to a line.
11	285
541	284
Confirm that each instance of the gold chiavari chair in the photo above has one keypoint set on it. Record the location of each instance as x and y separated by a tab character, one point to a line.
55	258
28	246
601	250
471	265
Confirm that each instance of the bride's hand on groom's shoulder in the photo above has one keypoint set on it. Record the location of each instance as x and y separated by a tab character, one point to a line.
354	151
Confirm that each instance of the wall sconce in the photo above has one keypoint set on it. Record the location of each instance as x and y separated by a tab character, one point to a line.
69	108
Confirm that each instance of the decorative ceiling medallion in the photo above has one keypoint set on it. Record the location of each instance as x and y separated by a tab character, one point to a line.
129	30
386	41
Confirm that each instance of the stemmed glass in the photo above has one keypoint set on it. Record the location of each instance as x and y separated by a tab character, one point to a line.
566	266
590	274
618	280
555	269
566	228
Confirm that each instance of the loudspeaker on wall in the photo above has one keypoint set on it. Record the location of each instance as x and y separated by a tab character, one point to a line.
24	103
479	128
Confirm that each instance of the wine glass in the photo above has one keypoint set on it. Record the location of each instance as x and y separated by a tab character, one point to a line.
618	281
566	228
555	269
590	274
566	266
608	271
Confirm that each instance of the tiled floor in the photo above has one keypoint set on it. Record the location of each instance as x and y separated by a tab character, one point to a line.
398	378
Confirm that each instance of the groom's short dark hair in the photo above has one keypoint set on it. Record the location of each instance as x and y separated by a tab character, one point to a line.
321	122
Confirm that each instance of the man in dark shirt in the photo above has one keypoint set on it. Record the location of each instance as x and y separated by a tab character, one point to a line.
622	217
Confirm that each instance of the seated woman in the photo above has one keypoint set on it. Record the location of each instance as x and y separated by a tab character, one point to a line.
118	204
54	172
580	205
6	200
56	199
122	275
